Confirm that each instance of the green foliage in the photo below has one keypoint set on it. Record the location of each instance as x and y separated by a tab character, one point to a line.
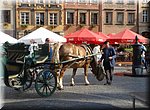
128	49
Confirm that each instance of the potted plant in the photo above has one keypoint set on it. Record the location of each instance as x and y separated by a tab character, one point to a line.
24	26
81	25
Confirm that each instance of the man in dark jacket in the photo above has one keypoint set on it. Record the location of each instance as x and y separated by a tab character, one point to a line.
108	59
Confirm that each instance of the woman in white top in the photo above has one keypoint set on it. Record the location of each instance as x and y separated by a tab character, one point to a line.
97	50
32	48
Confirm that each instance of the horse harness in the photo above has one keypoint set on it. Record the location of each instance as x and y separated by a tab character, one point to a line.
88	50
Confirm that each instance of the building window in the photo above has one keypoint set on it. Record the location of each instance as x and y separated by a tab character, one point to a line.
53	19
24	1
131	18
108	1
70	17
145	15
93	1
120	1
130	1
39	18
39	1
7	16
24	18
94	17
70	1
53	1
120	18
82	1
82	18
145	1
109	17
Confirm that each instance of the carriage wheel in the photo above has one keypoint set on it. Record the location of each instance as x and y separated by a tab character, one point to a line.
46	83
148	68
28	82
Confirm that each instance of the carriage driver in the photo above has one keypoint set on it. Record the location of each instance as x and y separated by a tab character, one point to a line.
48	41
108	57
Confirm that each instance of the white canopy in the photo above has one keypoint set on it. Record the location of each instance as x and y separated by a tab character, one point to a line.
40	35
5	37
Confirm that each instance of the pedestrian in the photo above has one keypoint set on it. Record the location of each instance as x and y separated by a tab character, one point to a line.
143	51
33	48
108	58
97	50
49	43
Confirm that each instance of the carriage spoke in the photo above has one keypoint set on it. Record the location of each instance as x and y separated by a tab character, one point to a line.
51	76
46	90
51	85
40	81
49	89
25	85
43	89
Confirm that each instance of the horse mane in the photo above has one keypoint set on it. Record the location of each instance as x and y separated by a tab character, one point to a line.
55	56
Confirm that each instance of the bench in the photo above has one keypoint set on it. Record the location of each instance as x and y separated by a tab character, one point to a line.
42	55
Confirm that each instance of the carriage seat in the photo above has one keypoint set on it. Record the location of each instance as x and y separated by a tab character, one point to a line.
40	59
42	55
16	53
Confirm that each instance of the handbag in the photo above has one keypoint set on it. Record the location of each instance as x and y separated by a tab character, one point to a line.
100	72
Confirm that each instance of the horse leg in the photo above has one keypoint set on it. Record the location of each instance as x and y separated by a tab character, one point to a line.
60	85
86	74
72	77
57	74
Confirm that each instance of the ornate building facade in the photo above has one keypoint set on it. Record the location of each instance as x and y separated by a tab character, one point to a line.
7	22
81	14
118	15
107	16
67	16
32	14
144	18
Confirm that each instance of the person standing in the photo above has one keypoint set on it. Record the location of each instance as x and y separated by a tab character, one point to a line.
143	51
49	43
33	48
108	58
97	50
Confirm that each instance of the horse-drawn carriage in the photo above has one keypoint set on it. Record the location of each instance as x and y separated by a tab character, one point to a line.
21	70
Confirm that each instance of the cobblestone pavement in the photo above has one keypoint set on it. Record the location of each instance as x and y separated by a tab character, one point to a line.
95	96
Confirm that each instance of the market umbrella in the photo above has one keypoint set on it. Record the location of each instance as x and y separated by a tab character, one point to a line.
102	35
84	35
110	34
127	36
40	35
6	38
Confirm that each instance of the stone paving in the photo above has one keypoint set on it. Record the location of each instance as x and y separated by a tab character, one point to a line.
95	96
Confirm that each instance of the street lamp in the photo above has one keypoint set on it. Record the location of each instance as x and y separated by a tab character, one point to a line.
137	68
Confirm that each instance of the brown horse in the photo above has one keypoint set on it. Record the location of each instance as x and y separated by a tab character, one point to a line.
69	52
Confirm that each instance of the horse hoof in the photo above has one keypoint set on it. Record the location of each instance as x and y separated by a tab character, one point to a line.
87	84
59	88
72	84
